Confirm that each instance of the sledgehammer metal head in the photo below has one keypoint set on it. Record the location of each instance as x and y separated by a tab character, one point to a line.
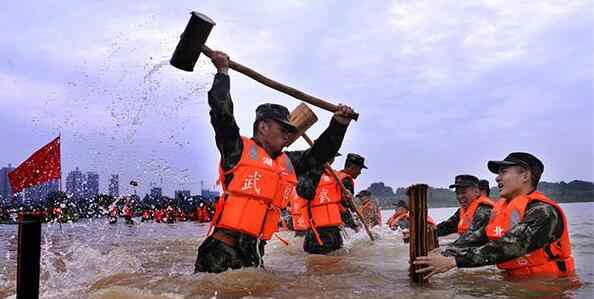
191	41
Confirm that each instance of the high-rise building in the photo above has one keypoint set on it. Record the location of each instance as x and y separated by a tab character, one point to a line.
211	195
114	185
5	191
75	184
182	194
156	192
91	185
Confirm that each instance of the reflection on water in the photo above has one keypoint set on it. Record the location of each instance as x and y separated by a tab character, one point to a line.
96	260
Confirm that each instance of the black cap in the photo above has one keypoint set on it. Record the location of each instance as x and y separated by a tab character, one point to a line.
525	160
401	203
484	185
355	159
465	180
364	193
276	112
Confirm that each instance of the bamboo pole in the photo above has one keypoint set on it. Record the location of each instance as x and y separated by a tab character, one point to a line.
344	189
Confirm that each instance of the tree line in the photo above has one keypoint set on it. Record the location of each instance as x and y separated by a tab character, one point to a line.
562	192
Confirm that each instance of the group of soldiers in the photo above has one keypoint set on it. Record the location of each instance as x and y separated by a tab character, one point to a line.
524	232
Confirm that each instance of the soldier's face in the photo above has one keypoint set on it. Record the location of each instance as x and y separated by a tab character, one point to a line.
465	195
511	180
275	135
356	171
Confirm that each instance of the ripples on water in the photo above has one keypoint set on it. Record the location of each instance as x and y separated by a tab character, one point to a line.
97	260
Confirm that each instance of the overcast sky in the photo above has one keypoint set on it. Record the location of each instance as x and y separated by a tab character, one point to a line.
442	86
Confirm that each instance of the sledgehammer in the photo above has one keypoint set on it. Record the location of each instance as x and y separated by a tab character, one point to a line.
192	43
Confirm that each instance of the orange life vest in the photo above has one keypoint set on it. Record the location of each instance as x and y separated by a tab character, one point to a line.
553	260
299	213
158	215
325	207
466	215
395	219
259	189
371	212
202	214
127	211
298	206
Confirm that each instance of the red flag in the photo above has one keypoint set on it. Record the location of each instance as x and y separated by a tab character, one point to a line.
41	167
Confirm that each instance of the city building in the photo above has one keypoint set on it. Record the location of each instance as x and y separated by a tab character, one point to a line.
182	194
91	185
75	183
156	192
5	191
114	185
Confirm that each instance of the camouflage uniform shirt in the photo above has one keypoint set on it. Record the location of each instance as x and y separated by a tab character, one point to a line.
307	164
541	225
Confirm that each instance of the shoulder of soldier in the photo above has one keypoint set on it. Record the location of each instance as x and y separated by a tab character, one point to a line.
348	179
483	206
294	156
541	209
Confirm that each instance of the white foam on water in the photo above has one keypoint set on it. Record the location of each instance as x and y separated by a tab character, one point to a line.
117	292
73	270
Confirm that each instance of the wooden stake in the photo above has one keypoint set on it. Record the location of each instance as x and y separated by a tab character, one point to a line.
422	236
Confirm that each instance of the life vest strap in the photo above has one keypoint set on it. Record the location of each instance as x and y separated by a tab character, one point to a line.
223	237
316	233
549	252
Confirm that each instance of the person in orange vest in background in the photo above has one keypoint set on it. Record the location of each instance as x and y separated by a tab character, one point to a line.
527	235
300	210
330	208
370	209
158	215
202	212
400	220
113	214
472	217
57	214
146	215
180	214
128	213
400	217
255	175
169	214
485	189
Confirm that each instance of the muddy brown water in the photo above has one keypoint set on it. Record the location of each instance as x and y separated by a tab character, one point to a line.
92	259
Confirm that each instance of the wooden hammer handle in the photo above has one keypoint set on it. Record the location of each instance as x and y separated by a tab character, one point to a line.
279	86
344	190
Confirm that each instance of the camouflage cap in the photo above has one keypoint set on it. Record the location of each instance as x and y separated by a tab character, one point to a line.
276	112
525	160
355	159
465	180
484	185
